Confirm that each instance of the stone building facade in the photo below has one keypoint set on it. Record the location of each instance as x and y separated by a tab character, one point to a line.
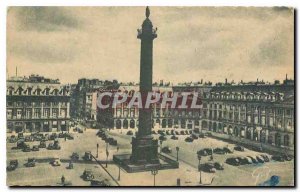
37	104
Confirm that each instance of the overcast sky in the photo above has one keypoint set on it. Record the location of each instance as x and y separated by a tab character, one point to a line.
193	43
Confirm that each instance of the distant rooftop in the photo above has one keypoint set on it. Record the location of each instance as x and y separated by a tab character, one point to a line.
33	79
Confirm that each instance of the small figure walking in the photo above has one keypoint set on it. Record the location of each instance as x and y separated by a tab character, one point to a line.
211	157
63	179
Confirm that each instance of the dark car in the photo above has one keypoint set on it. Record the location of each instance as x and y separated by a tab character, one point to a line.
194	136
53	136
260	159
186	132
129	133
205	152
88	175
177	133
21	144
13	164
166	150
162	138
207	167
189	139
29	138
279	158
50	146
265	157
208	150
233	161
219	151
113	142
287	157
69	136
80	131
227	150
56	145
172	132
254	160
201	135
61	135
182	132
35	148
190	131
88	156
258	149
26	148
243	160
219	166
12	139
74	156
239	148
30	162
20	136
168	133
174	137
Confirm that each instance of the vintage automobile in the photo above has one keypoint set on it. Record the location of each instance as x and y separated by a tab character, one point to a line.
20	144
287	157
233	161
207	167
26	148
194	136
244	160
162	138
239	148
189	139
55	162
168	132
20	136
227	150
279	158
166	150
35	148
29	138
190	131
13	164
42	144
182	132
88	175
53	136
219	151
129	133
202	135
80	130
56	145
219	166
174	137
69	136
75	156
13	139
177	133
253	159
87	156
205	152
265	157
30	162
50	146
260	159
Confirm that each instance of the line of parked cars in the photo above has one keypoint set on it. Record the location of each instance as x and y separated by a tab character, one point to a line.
211	167
236	161
107	139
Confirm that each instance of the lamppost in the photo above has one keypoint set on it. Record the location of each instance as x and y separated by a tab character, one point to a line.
199	167
119	177
154	172
177	150
161	142
107	154
97	150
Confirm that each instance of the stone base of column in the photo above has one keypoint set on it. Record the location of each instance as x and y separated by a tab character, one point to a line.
144	151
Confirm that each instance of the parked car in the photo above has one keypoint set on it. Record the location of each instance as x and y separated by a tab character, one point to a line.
174	137
75	156
129	133
227	150
233	161
201	135
13	164
249	160
162	138
20	136
21	144
88	175
30	162
177	133
55	162
265	157
254	160
168	132
186	132
239	148
80	131
208	150
29	138
194	136
35	148
205	152
53	136
258	149
207	167
219	151
189	139
190	131
88	156
50	146
219	166
278	158
244	160
287	157
182	132
166	150
26	148
260	159
13	139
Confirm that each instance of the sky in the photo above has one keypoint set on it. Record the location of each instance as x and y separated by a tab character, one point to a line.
193	43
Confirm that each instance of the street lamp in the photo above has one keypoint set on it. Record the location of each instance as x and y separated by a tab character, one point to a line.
107	154
154	172
97	150
119	177
199	167
177	150
161	142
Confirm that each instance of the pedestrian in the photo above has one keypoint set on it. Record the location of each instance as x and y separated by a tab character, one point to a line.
63	179
211	157
117	148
